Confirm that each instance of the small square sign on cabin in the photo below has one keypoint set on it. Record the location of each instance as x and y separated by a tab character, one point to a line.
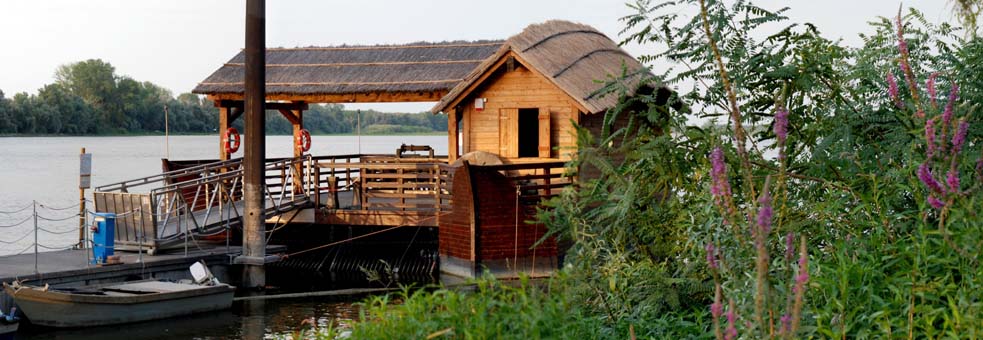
479	104
85	170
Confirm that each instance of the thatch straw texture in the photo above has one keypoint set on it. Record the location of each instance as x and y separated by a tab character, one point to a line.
356	69
573	56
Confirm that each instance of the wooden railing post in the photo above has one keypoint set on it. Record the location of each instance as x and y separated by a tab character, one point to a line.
546	173
317	186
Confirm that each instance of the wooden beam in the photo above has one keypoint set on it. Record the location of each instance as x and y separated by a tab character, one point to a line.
378	218
223	124
234	113
372	97
292	116
238	103
452	149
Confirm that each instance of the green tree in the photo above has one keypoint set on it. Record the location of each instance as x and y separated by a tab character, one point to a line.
95	82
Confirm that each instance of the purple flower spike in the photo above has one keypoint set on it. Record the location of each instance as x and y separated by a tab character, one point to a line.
711	256
952	179
716	309
731	332
786	323
935	202
781	125
925	175
953	96
959	138
892	89
803	277
930	87
718	174
929	138
765	213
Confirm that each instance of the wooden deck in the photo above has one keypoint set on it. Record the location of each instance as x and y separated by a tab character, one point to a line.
56	266
203	198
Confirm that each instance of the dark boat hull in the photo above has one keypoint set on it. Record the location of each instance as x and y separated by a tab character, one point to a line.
7	330
59	309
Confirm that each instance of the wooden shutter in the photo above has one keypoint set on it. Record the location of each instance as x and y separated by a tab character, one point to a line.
508	129
544	133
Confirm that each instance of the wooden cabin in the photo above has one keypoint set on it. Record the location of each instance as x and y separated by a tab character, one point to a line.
518	99
523	101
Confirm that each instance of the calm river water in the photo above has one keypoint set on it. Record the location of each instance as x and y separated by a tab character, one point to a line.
45	170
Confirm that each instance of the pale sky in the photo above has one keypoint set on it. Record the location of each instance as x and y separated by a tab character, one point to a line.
177	43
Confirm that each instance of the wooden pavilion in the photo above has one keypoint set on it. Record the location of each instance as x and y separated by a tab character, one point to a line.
518	98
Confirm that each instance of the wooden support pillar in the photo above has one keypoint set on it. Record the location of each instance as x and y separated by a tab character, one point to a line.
223	125
452	132
298	124
254	226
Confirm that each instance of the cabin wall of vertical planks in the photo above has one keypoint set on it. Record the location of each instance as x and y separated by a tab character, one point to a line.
494	129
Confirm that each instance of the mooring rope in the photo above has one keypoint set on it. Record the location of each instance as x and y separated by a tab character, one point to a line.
18	223
18	210
357	237
17	240
64	208
58	219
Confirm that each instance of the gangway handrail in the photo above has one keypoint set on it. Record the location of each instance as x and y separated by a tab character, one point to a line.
166	175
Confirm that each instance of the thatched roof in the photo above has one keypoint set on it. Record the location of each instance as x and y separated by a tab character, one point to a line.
572	56
341	70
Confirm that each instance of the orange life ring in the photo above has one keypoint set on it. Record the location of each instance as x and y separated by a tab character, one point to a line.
232	140
304	140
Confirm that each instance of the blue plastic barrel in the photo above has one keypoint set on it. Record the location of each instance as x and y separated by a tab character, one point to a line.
103	236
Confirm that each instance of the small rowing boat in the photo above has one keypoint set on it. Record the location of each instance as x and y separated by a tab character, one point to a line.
118	303
8	326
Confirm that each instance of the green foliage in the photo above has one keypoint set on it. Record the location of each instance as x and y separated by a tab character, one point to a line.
88	97
883	262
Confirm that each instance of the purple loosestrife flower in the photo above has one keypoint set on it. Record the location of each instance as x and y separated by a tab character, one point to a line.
929	138
903	49
925	175
959	138
935	202
952	179
930	87
731	332
716	309
803	277
781	125
892	89
947	113
786	323
711	256
765	213
718	174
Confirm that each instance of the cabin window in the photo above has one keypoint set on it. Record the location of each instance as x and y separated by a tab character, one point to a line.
528	133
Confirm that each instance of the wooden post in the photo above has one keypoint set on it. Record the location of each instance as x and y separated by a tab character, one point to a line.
298	149
254	233
81	213
452	149
223	125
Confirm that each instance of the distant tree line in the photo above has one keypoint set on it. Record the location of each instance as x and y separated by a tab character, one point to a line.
89	98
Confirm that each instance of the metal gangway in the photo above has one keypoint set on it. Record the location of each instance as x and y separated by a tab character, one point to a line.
168	210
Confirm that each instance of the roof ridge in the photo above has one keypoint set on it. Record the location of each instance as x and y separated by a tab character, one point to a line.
379	63
385	47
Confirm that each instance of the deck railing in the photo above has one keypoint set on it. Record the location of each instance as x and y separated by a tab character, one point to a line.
198	201
376	182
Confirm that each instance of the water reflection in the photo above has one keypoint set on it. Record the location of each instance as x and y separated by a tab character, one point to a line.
246	320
